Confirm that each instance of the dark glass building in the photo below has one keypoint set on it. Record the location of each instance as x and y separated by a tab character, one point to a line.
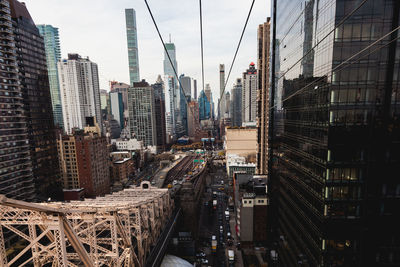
335	186
37	106
16	179
159	108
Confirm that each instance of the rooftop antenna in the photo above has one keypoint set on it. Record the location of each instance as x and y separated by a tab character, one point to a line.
170	38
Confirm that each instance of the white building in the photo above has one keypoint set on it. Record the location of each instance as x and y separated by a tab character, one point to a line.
249	94
129	144
80	93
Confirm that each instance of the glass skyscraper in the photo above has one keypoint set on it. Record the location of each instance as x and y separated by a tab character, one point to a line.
335	187
172	85
53	55
204	106
133	53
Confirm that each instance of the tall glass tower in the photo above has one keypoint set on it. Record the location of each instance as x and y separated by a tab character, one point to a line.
133	53
53	54
172	83
336	162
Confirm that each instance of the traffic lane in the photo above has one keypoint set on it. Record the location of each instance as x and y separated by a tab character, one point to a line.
206	229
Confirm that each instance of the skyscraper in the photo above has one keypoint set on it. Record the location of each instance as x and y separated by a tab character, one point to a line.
186	82
185	92
195	89
249	94
204	106
227	105
133	52
336	163
80	93
221	107
15	164
263	97
236	103
142	120
117	107
53	55
172	84
159	108
34	84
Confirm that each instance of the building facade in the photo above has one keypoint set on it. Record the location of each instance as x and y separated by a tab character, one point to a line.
133	52
241	142
159	102
336	162
53	55
34	84
171	84
236	103
222	105
263	36
249	94
204	106
194	89
117	108
15	164
193	113
84	162
80	92
123	89
142	121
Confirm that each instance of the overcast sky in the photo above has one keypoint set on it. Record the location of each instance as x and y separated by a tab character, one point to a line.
96	28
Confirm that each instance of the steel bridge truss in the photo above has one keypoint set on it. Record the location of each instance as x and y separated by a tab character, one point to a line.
114	230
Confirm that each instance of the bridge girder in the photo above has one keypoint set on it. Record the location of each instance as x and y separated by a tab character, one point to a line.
114	230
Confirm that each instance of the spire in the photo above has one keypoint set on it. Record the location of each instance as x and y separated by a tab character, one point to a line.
170	38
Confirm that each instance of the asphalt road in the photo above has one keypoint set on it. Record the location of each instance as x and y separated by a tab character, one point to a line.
212	219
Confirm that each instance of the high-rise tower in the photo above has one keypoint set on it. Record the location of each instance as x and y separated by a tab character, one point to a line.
53	55
34	84
16	179
335	159
80	93
142	120
221	96
263	97
249	94
172	85
236	103
133	52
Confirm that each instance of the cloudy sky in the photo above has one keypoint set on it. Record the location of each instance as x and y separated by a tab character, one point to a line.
96	28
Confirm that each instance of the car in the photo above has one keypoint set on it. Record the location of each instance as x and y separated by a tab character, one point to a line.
204	261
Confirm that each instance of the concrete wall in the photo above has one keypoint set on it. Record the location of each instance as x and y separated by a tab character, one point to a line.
242	142
246	222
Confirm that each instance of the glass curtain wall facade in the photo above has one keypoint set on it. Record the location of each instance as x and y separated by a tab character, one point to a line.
16	179
159	102
53	55
133	52
33	78
336	103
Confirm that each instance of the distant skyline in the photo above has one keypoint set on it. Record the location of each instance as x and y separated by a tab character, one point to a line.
97	29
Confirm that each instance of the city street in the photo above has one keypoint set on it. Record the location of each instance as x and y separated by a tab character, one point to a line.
214	222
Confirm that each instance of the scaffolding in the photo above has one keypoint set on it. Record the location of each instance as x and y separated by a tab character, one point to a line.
114	230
